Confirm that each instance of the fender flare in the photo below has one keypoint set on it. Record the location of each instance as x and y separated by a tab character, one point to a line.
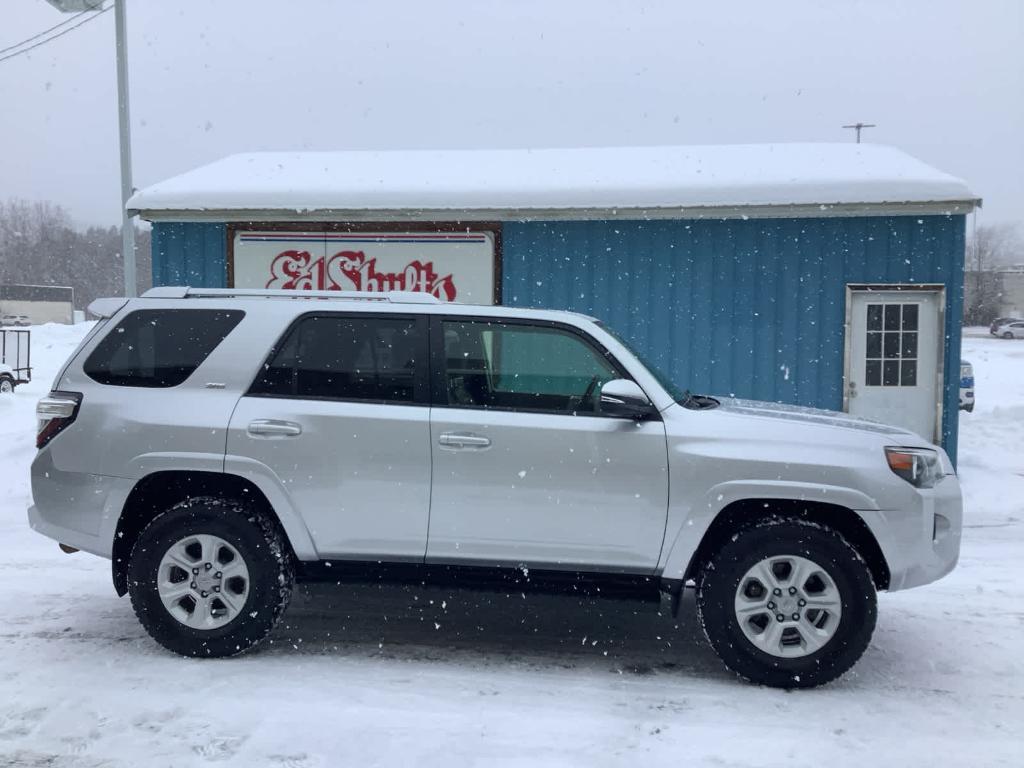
257	473
270	485
689	534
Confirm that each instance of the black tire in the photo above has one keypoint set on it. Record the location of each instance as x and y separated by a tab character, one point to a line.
270	569
969	408
720	579
1007	335
7	384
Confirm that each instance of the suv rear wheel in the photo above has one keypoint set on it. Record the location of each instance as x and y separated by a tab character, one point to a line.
787	603
209	578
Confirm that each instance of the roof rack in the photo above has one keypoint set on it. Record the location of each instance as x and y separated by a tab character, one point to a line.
185	292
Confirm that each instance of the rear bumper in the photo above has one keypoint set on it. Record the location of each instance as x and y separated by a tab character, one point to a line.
64	535
75	508
922	543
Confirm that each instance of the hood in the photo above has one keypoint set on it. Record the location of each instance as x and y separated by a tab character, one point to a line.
819	417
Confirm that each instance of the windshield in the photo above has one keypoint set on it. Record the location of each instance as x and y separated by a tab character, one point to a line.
674	390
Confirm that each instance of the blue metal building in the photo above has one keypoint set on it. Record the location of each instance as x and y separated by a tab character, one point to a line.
771	281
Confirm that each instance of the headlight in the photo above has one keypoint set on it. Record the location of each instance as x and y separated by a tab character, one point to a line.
918	466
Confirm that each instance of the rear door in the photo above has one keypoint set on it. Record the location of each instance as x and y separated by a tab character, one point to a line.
525	470
339	413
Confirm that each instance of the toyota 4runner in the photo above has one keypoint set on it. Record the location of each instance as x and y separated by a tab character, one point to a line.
217	445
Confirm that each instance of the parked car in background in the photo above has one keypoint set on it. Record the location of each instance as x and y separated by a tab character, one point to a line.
251	437
1001	321
966	386
1011	329
15	320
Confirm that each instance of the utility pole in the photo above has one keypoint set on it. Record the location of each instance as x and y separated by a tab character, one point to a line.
859	127
127	228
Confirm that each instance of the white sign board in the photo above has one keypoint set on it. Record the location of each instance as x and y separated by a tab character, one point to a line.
453	266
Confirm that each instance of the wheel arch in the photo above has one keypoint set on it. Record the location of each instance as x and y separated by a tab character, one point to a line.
160	490
743	513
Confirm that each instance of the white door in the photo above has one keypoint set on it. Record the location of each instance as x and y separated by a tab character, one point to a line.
895	353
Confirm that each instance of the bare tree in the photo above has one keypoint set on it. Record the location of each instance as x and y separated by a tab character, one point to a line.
993	246
40	246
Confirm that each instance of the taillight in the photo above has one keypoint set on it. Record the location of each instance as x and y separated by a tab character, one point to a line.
55	412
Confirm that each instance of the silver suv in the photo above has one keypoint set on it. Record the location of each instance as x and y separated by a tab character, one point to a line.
217	445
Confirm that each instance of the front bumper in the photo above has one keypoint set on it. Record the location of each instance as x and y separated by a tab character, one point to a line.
921	543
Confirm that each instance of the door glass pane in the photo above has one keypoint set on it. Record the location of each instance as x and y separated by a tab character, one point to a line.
908	378
874	345
873	373
909	344
496	365
874	317
910	317
891	373
345	358
892	317
892	345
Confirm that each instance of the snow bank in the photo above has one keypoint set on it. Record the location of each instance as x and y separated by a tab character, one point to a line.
558	179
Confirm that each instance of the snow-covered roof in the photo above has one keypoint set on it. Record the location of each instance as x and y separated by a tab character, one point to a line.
673	181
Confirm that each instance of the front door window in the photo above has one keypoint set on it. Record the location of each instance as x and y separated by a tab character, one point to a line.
522	367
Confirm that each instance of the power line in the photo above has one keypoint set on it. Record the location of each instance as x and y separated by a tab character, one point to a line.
46	31
63	32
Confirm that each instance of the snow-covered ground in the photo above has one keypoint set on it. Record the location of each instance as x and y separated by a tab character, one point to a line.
397	676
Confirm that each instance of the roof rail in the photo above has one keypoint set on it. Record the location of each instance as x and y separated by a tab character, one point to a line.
184	292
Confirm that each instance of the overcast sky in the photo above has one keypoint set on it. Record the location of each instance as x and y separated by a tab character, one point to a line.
943	79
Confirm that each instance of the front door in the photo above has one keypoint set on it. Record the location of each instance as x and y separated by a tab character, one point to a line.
895	353
526	472
340	414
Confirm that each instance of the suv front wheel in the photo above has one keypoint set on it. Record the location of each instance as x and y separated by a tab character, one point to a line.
787	603
209	577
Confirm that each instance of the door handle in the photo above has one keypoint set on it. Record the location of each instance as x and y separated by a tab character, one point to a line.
463	440
274	428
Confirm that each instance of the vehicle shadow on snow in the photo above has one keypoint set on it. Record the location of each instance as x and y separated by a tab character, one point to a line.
438	624
537	632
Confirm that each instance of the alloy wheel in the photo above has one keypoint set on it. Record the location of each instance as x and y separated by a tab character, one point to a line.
788	606
203	581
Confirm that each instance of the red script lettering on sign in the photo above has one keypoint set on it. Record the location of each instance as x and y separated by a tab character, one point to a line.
352	271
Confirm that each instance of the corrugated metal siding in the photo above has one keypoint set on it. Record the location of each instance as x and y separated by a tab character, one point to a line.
750	308
190	254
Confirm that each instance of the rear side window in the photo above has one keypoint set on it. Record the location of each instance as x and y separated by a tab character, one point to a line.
348	357
159	347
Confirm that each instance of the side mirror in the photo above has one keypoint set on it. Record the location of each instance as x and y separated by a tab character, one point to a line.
624	399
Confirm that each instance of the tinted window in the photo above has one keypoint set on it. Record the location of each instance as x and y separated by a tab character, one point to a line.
495	365
345	357
159	347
